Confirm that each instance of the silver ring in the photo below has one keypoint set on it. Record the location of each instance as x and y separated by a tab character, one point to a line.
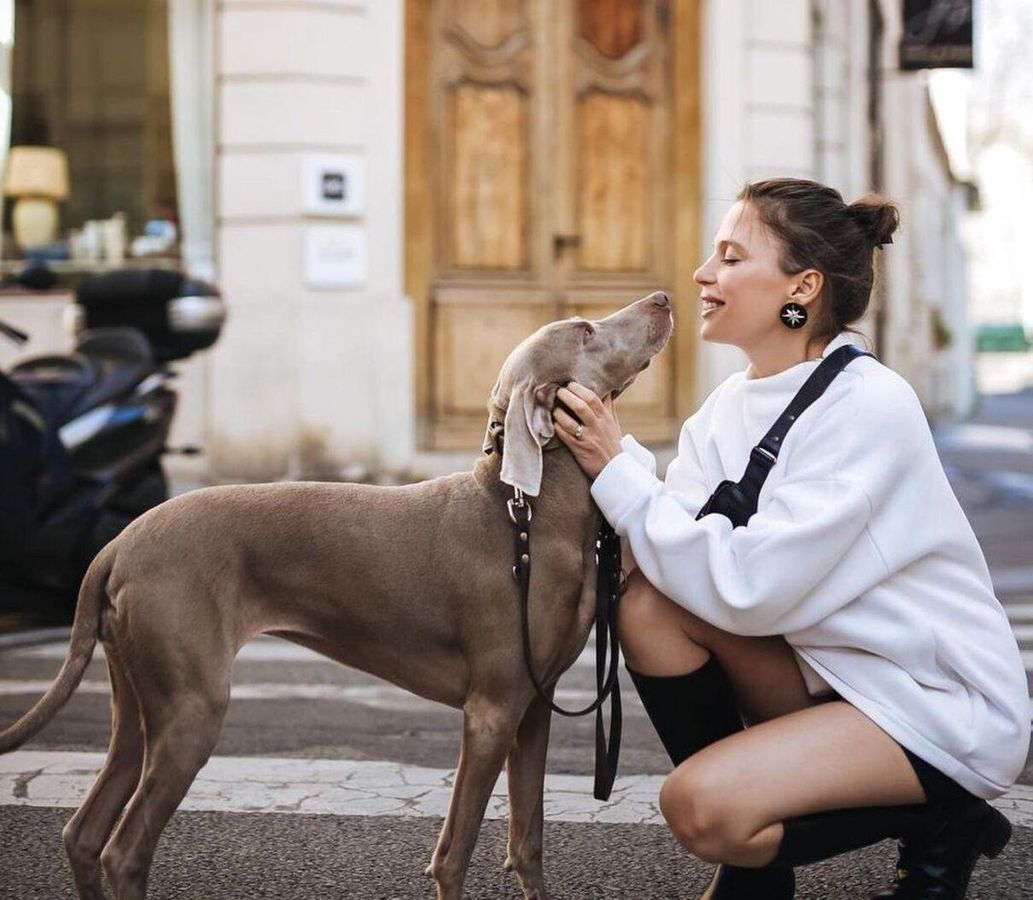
580	431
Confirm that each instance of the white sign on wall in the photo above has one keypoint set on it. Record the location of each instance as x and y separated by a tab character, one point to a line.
333	184
334	256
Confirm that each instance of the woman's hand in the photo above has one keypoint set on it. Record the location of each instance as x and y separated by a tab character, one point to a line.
601	436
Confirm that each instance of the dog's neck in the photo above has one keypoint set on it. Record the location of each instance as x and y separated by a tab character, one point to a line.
563	479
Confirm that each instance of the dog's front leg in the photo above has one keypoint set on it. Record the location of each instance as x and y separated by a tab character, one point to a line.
488	731
525	768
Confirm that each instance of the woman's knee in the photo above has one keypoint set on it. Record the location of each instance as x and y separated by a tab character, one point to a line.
694	801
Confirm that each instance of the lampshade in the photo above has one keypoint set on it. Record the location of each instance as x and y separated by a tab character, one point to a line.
37	172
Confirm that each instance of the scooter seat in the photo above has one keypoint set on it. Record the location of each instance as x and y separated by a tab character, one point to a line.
123	358
106	364
56	384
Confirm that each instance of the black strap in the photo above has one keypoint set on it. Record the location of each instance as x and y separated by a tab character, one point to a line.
745	493
608	590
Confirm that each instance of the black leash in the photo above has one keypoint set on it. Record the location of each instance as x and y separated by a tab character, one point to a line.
608	591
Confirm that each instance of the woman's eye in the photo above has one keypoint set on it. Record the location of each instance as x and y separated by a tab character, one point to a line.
730	261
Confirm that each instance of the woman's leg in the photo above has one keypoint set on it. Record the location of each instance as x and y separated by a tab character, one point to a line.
726	803
658	637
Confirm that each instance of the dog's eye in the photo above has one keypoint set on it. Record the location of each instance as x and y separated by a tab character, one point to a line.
589	331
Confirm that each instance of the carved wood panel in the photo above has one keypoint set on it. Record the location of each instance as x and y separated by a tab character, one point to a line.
615	95
474	332
613	182
489	182
613	27
488	23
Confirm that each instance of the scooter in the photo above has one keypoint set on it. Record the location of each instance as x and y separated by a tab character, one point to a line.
82	435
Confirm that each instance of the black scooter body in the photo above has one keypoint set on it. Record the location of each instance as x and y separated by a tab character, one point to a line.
82	435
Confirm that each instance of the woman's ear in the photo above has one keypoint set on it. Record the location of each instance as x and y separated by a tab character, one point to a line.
807	287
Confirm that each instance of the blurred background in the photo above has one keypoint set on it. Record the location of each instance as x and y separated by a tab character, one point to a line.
390	194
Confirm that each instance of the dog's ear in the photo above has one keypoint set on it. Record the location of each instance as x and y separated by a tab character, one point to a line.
528	428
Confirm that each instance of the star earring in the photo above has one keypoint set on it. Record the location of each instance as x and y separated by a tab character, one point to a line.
793	315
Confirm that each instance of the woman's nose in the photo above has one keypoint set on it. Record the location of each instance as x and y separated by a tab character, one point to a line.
702	275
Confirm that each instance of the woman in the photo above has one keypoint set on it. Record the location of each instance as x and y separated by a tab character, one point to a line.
851	623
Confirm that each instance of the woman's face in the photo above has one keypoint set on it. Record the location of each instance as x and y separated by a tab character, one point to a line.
743	274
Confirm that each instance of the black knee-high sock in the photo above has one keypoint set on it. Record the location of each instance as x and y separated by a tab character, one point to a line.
817	836
689	711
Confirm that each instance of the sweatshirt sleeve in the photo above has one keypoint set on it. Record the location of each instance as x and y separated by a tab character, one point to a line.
640	454
807	551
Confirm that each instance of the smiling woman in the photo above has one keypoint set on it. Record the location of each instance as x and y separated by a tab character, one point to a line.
816	620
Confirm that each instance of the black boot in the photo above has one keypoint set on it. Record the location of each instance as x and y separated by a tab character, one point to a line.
689	712
936	861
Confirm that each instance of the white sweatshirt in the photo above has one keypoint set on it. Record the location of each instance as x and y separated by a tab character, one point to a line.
859	554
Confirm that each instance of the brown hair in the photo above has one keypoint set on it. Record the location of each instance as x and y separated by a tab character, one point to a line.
816	229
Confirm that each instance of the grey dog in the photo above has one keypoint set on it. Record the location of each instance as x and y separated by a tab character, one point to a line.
412	584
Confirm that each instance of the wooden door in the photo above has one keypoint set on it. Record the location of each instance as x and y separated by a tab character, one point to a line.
539	186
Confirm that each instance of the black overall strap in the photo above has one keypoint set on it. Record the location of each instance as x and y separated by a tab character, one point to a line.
763	456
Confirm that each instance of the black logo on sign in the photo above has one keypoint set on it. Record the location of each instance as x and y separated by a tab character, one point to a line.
334	185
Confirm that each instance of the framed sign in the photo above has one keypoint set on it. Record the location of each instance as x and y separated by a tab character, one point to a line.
333	184
334	256
937	34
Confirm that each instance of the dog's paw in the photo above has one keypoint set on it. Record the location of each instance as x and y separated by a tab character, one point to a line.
507	866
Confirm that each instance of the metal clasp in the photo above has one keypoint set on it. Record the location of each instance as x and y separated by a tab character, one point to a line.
518	502
771	456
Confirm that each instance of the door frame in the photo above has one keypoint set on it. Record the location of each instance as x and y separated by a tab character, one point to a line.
685	33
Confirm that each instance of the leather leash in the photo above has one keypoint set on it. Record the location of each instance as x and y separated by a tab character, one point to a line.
609	587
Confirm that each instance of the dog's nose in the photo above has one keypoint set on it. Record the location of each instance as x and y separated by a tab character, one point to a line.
660	298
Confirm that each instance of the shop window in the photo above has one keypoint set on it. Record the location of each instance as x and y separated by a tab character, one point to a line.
91	78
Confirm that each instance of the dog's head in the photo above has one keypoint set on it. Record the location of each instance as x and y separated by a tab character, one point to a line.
604	356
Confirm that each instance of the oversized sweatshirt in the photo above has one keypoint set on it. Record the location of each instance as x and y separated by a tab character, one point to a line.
859	554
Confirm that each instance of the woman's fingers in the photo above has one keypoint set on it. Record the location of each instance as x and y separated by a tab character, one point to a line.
587	395
579	398
571	399
566	421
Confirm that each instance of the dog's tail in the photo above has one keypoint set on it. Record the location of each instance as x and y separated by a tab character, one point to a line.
92	595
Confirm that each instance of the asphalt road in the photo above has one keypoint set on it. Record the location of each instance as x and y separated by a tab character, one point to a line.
223	854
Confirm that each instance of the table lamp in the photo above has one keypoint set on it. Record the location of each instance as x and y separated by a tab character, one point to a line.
38	178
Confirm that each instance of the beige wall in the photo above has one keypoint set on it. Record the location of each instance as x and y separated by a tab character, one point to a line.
306	381
925	266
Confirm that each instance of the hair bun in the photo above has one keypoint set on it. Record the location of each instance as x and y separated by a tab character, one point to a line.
877	218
